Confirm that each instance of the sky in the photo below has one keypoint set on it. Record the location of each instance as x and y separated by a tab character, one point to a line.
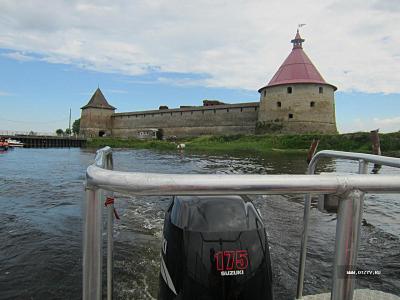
143	54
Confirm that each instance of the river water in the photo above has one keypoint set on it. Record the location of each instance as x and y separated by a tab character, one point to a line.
41	224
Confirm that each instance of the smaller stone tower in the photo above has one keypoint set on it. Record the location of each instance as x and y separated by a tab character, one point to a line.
297	99
96	116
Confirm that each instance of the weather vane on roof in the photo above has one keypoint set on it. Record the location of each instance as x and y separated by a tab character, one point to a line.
301	25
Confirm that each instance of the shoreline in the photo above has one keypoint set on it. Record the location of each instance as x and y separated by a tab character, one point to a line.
355	142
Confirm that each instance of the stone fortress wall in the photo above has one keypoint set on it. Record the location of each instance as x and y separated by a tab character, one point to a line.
182	122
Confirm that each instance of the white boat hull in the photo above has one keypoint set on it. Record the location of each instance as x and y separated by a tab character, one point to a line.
14	143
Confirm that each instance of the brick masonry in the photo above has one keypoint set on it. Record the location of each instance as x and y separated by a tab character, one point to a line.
308	108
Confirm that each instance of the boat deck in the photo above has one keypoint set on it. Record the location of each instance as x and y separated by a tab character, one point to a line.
362	294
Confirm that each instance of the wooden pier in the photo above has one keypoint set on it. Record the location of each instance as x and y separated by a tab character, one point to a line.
38	141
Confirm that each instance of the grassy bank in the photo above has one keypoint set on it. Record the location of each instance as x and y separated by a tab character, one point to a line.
356	142
129	143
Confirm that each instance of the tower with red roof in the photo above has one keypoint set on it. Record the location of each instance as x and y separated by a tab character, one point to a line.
297	99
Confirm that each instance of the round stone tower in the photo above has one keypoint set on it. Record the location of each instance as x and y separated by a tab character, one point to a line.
297	99
96	116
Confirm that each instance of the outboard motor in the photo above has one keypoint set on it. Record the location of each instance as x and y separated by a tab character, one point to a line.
214	247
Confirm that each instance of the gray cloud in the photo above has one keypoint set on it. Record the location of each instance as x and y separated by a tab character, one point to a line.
387	5
238	44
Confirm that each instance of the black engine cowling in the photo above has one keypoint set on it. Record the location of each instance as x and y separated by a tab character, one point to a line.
214	247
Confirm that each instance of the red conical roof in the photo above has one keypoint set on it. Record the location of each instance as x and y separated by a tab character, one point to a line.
297	67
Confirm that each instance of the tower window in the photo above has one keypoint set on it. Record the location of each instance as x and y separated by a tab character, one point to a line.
290	116
321	90
289	90
265	93
312	104
279	104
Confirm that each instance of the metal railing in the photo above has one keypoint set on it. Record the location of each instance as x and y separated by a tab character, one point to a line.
348	210
349	188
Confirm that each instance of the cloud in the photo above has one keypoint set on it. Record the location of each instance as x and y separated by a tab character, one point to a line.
188	81
168	78
387	5
18	56
238	44
389	124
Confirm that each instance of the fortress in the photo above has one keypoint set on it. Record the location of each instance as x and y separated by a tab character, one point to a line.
296	100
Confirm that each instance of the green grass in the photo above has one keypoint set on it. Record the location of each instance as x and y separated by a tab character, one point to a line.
356	142
129	143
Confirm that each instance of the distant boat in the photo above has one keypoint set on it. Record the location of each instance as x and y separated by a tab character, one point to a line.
3	144
14	143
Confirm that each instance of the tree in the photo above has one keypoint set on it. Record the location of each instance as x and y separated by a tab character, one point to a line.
67	131
59	132
76	126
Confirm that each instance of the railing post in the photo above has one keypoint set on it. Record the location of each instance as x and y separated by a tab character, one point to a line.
92	246
92	236
304	238
110	248
110	239
346	245
303	251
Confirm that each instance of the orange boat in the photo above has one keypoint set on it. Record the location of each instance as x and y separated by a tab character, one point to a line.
3	144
